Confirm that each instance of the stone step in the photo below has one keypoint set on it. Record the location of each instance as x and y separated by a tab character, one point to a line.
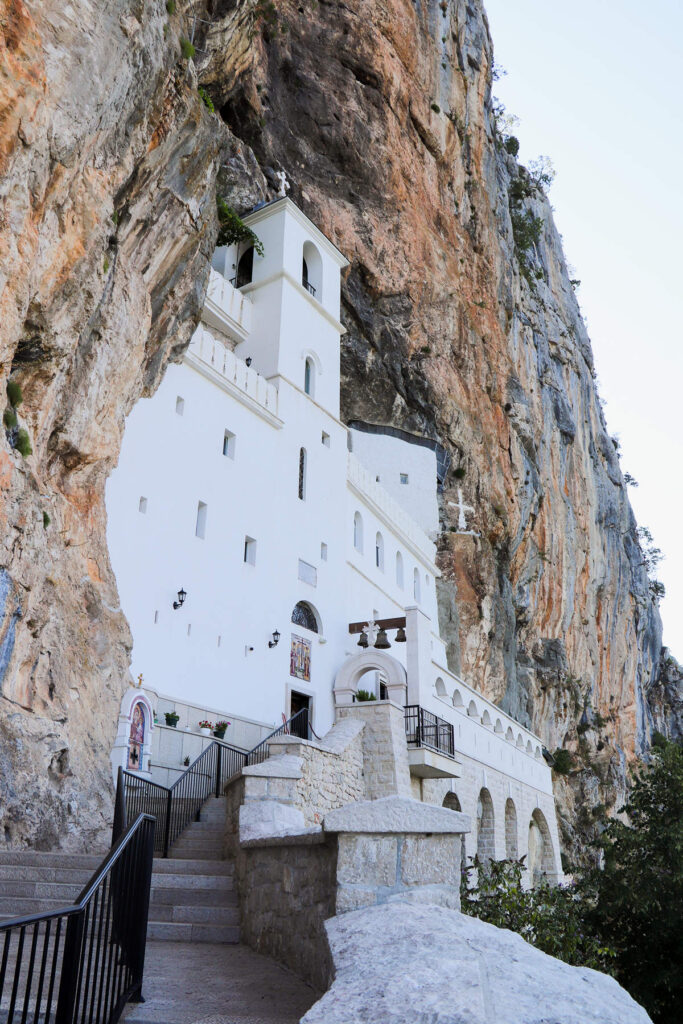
197	853
181	914
11	873
197	866
162	903
193	897
207	828
169	931
86	861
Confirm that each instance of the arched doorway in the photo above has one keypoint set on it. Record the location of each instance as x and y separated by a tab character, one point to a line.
511	846
245	268
136	736
541	858
452	802
486	849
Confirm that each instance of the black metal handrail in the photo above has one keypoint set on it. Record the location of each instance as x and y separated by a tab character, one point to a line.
312	290
424	729
298	725
176	806
81	964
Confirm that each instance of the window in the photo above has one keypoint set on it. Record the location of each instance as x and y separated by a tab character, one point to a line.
302	474
245	268
303	615
323	552
180	405
379	551
399	570
250	551
189	629
309	377
311	269
200	526
156	618
358	532
229	444
308	573
142	505
416	585
404	478
326	439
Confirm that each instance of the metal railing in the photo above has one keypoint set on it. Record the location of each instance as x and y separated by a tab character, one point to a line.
298	725
308	286
424	729
83	963
176	806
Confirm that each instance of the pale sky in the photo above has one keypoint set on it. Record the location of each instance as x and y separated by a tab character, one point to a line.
598	87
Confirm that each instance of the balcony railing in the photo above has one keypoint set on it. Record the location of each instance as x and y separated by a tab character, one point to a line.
308	286
423	729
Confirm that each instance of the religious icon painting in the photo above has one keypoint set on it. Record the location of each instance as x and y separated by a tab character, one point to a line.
136	737
300	659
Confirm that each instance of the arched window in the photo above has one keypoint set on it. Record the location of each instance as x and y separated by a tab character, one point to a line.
416	584
303	615
309	378
541	859
399	570
440	687
452	802
302	474
379	551
511	850
311	270
358	532
485	833
245	268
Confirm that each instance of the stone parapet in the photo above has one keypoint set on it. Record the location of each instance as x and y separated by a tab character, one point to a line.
385	752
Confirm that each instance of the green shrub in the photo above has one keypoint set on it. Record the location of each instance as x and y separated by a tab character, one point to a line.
459	473
526	230
436	108
170	6
23	443
9	418
14	393
233	229
46	520
115	217
512	145
363	695
206	99
105	265
563	761
187	49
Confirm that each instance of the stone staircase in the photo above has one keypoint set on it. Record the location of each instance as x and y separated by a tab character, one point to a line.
192	897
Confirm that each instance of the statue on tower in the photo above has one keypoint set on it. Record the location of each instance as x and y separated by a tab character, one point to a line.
284	184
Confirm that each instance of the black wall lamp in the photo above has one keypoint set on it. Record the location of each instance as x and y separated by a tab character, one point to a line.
182	594
276	639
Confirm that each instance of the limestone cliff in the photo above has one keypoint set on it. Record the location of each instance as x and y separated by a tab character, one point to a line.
462	325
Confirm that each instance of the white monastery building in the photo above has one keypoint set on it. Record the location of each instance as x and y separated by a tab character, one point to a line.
256	540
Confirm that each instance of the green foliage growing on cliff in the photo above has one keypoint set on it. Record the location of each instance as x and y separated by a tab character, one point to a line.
563	761
233	229
187	49
14	393
46	520
22	443
206	99
170	6
652	556
9	418
623	917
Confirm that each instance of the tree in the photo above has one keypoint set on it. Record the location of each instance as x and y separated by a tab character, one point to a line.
635	901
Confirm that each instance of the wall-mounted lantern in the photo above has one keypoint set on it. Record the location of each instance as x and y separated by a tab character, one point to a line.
182	594
276	639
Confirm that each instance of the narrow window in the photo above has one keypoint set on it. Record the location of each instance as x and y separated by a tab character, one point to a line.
245	269
156	618
180	405
309	378
326	439
250	551
142	505
302	474
377	480
379	552
416	585
358	532
229	445
219	642
399	570
404	478
323	552
189	629
200	527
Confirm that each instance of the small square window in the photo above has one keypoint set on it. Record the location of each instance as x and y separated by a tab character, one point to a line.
180	405
326	439
308	573
200	526
249	551
229	444
142	505
323	552
404	478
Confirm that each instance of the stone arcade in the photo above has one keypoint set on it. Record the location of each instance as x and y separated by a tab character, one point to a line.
293	538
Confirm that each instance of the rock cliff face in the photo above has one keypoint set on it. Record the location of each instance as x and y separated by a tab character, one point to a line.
462	325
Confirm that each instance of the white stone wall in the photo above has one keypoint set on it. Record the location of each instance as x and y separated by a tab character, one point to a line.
385	753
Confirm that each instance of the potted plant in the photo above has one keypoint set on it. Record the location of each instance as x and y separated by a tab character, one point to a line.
219	729
172	718
206	728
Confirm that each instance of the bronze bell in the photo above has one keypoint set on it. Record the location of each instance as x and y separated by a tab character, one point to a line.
400	636
363	641
381	643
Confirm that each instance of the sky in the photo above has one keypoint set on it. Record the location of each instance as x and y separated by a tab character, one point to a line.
598	86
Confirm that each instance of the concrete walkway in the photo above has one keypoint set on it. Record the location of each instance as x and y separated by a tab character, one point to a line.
204	983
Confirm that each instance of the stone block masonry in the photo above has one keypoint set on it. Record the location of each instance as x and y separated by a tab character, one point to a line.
385	753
